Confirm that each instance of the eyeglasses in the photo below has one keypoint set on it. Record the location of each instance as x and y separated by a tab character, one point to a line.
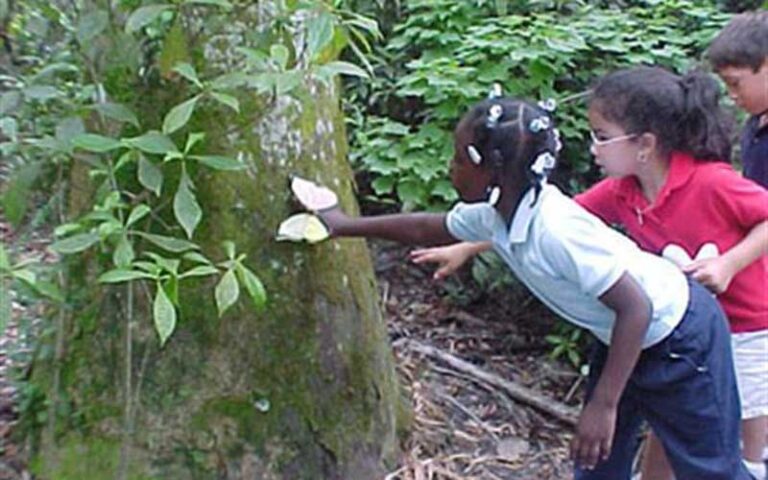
607	141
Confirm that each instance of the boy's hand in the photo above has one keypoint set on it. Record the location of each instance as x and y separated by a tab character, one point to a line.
713	273
449	258
594	435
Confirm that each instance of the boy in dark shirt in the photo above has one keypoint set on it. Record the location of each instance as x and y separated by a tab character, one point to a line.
739	55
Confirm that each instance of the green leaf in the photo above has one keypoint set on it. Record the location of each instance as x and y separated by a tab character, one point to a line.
123	255
75	243
122	275
41	93
219	162
253	285
164	315
9	101
227	100
50	290
229	248
5	264
215	3
90	25
26	276
179	115
192	140
188	71
96	143
117	112
227	292
320	33
171	244
279	53
185	206
152	142
150	176
138	212
342	68
200	271
143	16
5	304
18	188
196	257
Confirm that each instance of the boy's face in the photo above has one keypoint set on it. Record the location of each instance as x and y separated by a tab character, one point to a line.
749	89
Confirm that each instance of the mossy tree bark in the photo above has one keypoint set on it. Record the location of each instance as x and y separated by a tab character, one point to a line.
304	389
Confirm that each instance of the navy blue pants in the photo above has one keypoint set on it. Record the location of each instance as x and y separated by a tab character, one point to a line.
685	388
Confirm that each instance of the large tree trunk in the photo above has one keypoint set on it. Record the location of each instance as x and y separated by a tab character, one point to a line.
305	389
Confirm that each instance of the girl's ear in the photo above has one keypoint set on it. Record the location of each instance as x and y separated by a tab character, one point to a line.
648	143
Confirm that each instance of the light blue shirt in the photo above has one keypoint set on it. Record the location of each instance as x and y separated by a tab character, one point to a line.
568	258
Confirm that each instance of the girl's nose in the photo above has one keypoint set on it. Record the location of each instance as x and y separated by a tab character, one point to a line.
592	149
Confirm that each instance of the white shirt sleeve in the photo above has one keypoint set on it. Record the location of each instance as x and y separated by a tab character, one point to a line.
583	253
471	222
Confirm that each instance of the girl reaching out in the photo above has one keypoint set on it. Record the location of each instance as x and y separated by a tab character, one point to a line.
660	139
662	336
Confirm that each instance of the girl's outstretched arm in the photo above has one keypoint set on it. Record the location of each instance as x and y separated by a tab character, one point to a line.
408	228
597	423
449	258
716	273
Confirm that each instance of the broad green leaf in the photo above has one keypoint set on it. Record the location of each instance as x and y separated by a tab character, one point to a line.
150	175
50	290
219	162
152	142
5	264
9	101
26	276
75	243
185	206
279	55
179	115
253	285
192	140
320	33
170	265
174	49
96	143
342	68
41	93
227	291
171	244
90	25
188	71
200	271
117	112
227	100
164	315
143	16
123	254
215	3
196	257
9	128
5	304
229	249
18	188
121	275
69	128
138	212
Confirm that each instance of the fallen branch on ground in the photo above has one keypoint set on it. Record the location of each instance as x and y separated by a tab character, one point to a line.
518	392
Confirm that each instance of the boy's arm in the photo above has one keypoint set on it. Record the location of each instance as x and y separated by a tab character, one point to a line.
597	422
716	273
408	228
449	258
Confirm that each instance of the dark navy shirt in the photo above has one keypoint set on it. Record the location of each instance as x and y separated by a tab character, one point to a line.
754	151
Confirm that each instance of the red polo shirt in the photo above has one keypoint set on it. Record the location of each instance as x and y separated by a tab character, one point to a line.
700	203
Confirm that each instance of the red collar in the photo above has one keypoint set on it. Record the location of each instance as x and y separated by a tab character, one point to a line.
681	168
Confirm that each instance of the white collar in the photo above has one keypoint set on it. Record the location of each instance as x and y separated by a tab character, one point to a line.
526	210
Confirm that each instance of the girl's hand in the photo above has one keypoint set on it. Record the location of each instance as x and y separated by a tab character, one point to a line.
449	258
594	435
713	273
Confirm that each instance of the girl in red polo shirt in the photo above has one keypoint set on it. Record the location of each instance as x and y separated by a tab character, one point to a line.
662	140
